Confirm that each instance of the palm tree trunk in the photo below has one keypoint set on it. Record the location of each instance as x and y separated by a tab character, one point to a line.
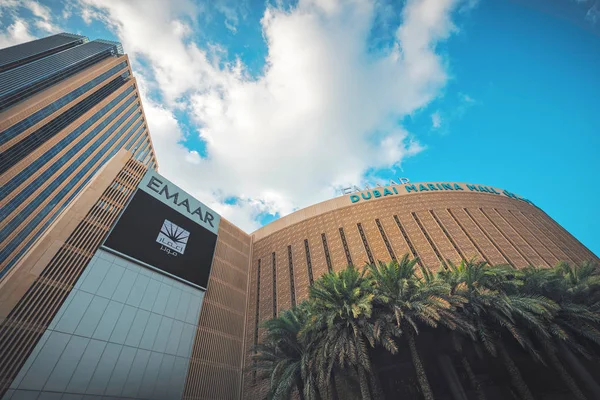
564	374
300	386
515	374
474	381
376	389
449	372
364	383
334	393
421	376
581	371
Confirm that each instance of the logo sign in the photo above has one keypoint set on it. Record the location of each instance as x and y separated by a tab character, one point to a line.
357	189
430	187
169	194
173	237
166	228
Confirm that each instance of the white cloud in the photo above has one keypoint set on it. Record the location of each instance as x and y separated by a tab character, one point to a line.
43	16
324	111
18	29
593	14
436	120
15	33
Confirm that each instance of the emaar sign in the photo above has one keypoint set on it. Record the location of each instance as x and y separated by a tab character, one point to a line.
165	228
168	193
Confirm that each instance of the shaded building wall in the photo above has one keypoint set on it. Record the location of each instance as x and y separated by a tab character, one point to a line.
36	288
435	227
124	331
216	364
42	296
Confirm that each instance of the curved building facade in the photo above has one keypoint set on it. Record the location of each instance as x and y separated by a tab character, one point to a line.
435	222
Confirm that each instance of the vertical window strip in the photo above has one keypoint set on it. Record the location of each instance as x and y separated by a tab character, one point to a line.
408	241
448	236
488	236
566	237
292	288
308	262
326	249
552	237
274	285
481	253
346	249
521	236
385	239
426	234
534	235
365	243
504	236
256	320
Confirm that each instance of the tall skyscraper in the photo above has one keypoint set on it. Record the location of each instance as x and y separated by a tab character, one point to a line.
67	105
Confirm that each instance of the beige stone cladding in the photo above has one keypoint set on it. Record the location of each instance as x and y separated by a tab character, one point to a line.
215	370
33	291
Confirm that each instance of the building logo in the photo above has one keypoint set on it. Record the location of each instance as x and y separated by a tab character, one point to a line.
177	199
172	237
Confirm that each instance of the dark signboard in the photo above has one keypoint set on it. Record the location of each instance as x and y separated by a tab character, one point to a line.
155	233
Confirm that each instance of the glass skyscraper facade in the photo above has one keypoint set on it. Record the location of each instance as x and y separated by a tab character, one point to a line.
67	105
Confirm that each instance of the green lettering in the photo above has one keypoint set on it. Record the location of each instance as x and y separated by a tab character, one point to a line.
366	198
472	187
509	194
394	189
423	188
457	187
410	187
447	186
386	191
376	193
354	198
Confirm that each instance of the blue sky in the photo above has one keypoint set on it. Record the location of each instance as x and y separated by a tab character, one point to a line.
260	108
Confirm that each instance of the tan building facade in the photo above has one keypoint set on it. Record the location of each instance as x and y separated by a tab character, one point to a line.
435	222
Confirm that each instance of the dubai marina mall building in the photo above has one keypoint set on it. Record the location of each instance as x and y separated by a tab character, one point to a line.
116	283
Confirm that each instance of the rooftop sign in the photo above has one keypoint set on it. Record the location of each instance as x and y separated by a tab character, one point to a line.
356	189
430	187
167	193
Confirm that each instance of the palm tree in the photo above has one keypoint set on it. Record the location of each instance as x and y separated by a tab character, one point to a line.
498	311
410	301
582	283
576	323
342	307
280	356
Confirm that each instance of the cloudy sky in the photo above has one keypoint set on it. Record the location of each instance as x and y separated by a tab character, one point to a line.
259	108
